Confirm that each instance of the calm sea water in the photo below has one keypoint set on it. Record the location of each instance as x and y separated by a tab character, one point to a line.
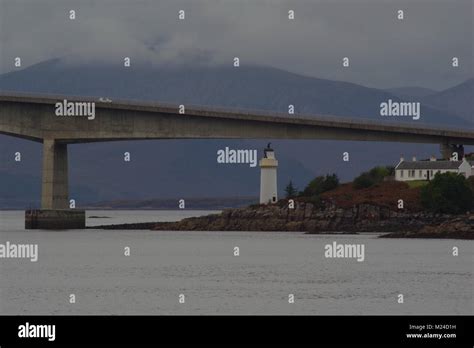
201	265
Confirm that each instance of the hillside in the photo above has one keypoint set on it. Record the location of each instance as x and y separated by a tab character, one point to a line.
411	93
247	87
385	194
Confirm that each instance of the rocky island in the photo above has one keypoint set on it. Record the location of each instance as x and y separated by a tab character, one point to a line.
325	206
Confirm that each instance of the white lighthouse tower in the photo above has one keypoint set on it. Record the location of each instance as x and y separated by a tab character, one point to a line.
268	176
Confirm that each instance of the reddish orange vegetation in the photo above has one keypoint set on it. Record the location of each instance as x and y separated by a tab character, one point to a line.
384	194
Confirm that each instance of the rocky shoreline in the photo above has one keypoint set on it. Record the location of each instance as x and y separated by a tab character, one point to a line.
321	218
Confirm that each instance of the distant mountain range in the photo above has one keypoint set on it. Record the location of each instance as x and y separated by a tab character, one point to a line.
458	99
411	92
188	168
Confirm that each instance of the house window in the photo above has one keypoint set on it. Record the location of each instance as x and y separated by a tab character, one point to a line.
401	173
420	173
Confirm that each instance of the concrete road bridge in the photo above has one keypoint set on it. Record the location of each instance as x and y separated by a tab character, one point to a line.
34	117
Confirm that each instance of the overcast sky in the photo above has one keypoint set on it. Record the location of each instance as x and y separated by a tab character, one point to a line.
383	51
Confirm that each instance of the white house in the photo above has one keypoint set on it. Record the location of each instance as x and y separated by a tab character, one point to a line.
426	170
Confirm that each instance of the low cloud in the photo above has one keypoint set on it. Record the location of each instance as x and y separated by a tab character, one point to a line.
383	51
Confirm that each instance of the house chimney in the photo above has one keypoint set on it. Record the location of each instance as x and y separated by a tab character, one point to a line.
414	158
433	159
402	158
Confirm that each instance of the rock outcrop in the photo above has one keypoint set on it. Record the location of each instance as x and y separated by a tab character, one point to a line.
342	210
327	218
456	228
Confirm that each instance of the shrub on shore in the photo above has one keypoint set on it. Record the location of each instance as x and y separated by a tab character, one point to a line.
447	193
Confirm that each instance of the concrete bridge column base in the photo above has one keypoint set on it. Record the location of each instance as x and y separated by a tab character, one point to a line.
55	219
447	151
55	213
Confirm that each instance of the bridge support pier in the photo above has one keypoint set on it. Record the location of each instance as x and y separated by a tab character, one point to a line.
55	212
54	190
447	151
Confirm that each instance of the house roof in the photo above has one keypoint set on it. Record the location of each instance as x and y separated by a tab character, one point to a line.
429	165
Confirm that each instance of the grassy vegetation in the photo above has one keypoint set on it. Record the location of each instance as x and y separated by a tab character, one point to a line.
373	177
416	183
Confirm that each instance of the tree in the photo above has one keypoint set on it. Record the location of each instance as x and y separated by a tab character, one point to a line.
470	182
447	193
290	190
363	181
321	184
390	170
372	177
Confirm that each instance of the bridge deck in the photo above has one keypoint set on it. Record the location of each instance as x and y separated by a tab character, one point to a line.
352	129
